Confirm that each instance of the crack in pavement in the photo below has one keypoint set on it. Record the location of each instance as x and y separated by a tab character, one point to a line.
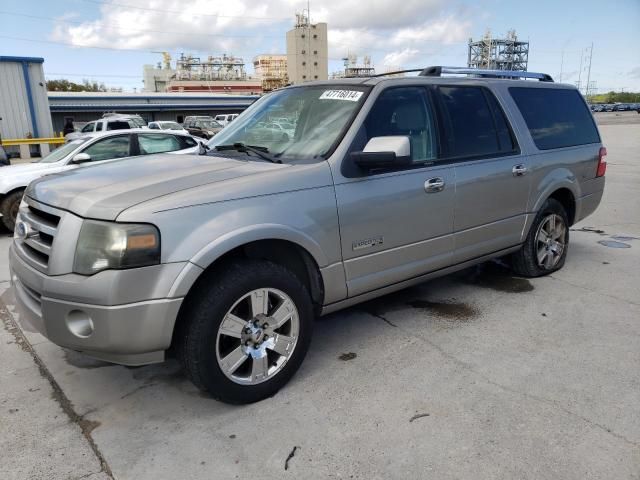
384	319
551	402
291	454
85	425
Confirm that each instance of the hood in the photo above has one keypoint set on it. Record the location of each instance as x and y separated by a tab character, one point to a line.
27	168
104	191
18	176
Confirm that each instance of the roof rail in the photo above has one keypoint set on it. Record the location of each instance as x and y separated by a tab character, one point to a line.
438	71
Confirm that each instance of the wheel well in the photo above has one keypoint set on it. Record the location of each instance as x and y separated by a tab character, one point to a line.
5	195
288	254
566	198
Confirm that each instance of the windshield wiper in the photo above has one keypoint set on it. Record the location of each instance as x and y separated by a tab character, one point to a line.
262	152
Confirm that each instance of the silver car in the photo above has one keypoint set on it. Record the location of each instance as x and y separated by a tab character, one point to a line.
225	262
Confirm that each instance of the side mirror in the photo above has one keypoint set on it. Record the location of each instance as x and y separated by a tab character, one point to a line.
384	152
81	158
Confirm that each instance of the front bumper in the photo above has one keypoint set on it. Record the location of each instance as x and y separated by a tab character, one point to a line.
124	316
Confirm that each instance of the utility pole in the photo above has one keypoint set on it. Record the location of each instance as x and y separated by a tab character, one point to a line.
580	70
561	65
589	70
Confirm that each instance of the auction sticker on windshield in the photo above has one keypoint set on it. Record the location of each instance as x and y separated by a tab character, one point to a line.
349	95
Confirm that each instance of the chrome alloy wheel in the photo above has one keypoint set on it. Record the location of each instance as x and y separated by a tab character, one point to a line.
257	336
550	241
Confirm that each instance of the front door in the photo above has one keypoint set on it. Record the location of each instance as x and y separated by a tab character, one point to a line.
396	225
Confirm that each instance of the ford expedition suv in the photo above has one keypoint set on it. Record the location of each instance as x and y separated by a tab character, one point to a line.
383	183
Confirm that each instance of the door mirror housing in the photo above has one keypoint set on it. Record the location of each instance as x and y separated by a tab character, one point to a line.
81	158
384	152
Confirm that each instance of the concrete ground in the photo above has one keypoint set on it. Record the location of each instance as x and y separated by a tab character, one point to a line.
477	375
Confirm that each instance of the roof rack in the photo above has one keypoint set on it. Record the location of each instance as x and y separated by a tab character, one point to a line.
437	71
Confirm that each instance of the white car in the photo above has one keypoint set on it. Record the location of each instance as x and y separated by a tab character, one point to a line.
87	150
166	125
226	118
108	122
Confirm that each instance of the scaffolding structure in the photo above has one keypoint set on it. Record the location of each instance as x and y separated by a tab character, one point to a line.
507	53
271	70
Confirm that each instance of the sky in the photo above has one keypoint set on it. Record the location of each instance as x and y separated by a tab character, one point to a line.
110	40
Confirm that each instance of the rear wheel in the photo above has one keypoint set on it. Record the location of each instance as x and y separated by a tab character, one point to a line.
545	249
247	331
9	208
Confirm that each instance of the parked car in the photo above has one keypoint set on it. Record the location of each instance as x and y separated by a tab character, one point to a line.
202	128
89	149
608	108
226	261
107	123
225	119
167	125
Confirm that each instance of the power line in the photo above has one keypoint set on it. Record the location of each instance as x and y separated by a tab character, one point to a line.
179	12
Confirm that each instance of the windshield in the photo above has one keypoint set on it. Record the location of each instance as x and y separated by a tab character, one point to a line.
295	123
61	152
138	122
170	126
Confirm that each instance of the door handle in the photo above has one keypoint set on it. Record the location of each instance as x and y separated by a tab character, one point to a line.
434	185
519	170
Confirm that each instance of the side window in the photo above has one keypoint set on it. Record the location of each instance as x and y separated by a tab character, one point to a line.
118	125
150	143
154	126
471	131
88	127
556	117
99	127
506	138
111	147
404	111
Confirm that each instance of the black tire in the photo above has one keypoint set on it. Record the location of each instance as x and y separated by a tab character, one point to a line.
9	209
524	262
209	303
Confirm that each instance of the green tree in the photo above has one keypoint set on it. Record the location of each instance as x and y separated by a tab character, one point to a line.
64	85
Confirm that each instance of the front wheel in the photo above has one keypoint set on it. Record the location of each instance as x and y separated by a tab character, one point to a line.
545	249
246	332
9	209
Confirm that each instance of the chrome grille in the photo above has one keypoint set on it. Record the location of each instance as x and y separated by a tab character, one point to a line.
42	222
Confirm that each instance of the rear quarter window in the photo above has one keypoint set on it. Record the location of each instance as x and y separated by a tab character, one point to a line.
555	117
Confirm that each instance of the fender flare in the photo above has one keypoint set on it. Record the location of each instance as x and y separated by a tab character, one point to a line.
236	238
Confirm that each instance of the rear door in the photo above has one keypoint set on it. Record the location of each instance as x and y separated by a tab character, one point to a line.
492	185
395	224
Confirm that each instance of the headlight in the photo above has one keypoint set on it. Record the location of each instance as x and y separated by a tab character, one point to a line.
104	245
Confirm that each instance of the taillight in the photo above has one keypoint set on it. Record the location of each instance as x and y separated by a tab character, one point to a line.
602	165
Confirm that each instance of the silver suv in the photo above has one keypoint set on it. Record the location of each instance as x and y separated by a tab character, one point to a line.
383	183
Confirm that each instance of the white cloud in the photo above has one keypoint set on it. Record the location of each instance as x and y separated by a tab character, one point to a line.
391	32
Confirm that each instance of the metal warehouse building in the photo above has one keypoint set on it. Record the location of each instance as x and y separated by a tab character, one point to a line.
82	107
24	108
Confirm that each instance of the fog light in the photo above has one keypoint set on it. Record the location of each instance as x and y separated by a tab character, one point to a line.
80	323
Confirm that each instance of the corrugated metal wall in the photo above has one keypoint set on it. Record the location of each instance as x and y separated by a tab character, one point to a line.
40	100
14	103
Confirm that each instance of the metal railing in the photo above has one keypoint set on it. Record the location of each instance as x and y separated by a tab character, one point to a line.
25	143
